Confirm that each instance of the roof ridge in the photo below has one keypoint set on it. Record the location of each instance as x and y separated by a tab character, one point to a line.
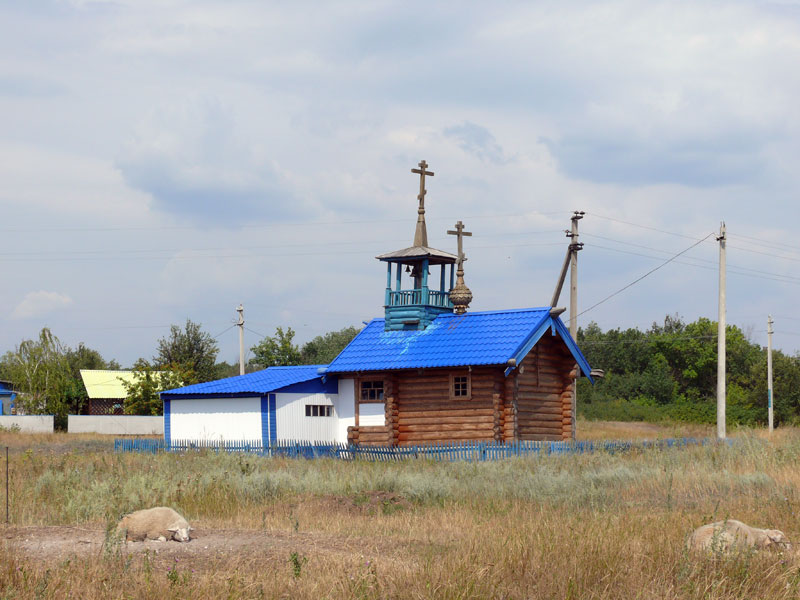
477	312
497	312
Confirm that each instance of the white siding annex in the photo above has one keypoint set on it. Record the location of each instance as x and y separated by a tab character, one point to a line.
292	417
273	405
215	419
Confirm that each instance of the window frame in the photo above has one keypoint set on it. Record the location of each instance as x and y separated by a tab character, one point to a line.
465	375
322	410
380	400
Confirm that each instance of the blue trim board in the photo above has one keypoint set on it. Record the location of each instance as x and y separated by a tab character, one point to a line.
329	386
273	433
167	422
264	420
557	327
314	386
529	343
166	397
574	350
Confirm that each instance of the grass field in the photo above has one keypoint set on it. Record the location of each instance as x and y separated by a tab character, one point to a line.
586	526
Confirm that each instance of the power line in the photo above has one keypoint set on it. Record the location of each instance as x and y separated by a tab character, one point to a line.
305	244
763	242
651	271
108	256
683	235
736	270
261	335
224	330
770	254
759	274
766	243
270	225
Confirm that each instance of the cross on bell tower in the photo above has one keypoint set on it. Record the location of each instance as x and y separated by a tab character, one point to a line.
414	306
421	234
460	295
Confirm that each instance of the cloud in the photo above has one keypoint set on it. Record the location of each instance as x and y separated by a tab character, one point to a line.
194	162
30	87
476	140
645	162
39	304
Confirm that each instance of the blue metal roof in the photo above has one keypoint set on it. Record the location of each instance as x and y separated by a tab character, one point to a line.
252	384
477	338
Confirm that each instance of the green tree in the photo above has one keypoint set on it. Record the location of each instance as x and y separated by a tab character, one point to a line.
324	348
40	370
149	381
278	350
673	368
190	350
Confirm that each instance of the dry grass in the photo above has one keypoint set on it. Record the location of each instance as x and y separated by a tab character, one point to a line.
619	430
599	526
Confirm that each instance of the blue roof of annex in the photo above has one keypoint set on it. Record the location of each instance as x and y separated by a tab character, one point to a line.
273	379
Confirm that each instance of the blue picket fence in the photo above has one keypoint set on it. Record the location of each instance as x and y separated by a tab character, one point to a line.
469	451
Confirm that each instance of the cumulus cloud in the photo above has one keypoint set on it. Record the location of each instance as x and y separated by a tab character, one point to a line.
193	161
476	140
39	304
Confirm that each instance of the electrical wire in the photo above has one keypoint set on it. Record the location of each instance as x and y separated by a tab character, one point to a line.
731	270
362	243
261	335
223	331
759	272
274	224
651	271
683	235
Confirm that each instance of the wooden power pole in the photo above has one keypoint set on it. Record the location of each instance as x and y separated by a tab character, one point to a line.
571	261
573	306
769	373
721	338
240	323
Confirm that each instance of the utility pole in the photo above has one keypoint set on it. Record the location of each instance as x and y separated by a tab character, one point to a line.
721	338
769	373
574	247
571	261
240	310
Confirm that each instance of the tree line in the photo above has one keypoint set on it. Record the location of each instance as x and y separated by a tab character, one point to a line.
46	372
669	371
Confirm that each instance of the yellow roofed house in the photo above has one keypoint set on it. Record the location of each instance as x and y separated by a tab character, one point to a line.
105	390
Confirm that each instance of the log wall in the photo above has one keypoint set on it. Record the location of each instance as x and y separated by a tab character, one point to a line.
427	414
533	403
544	391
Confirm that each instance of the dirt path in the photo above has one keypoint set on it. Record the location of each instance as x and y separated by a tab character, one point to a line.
207	547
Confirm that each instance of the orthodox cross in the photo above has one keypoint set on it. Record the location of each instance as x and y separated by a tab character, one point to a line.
422	171
421	235
460	233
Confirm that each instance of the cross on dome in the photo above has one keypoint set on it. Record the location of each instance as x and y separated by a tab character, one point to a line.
421	234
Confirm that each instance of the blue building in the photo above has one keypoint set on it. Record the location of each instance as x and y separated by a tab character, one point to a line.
7	396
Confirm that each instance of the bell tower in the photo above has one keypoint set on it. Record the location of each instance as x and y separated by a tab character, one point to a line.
414	304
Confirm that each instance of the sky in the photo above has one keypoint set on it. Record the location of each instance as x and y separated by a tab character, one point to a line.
169	160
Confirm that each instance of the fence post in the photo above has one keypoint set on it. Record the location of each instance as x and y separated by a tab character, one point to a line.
6	485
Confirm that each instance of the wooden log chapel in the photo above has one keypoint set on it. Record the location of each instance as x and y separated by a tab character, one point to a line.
430	371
